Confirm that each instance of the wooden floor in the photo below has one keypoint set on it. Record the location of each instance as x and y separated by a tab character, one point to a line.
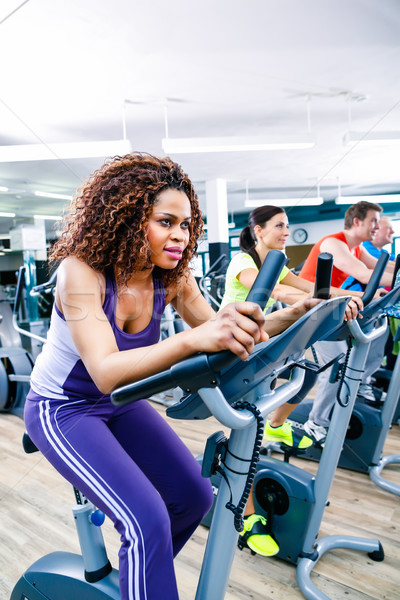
36	518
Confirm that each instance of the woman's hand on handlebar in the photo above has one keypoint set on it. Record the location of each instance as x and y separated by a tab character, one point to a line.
304	305
379	293
238	327
278	321
354	306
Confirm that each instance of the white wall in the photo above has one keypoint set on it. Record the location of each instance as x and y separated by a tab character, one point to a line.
316	231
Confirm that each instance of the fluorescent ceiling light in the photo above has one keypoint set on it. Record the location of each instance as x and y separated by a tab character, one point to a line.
51	195
231	144
3	189
7	214
47	217
285	202
379	199
63	151
371	138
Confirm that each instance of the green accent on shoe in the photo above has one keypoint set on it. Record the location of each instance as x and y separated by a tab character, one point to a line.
256	538
284	435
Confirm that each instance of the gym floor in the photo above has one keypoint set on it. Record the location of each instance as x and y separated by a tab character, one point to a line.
36	518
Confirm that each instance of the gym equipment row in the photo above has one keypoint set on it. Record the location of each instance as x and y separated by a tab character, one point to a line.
293	500
16	362
239	395
66	575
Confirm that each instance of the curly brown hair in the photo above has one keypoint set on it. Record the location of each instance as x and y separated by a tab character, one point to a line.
107	221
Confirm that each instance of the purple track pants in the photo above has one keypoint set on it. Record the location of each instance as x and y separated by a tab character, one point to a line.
129	463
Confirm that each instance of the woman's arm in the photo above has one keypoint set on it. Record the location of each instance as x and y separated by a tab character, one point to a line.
247	277
293	290
79	296
288	291
275	322
287	294
307	287
279	320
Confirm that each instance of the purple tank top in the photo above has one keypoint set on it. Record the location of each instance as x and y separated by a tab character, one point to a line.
148	336
59	371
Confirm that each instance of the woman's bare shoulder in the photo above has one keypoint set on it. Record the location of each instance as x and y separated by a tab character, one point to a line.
74	273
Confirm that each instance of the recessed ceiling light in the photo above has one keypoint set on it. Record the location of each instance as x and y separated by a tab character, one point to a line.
378	199
32	152
53	195
47	217
232	144
284	202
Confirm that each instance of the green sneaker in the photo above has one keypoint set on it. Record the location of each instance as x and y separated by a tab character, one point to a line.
285	434
256	537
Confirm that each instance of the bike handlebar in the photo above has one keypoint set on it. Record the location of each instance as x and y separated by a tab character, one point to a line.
375	278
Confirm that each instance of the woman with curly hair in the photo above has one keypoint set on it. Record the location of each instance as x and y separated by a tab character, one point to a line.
123	255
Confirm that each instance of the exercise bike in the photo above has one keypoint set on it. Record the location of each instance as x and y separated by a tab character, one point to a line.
15	361
254	383
292	500
369	424
61	575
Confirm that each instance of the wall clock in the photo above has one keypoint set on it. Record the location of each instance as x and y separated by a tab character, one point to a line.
300	235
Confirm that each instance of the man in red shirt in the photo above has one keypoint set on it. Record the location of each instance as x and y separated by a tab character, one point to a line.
361	223
349	258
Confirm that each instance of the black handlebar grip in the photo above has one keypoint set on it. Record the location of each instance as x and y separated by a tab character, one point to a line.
267	277
154	384
323	276
18	291
375	278
396	268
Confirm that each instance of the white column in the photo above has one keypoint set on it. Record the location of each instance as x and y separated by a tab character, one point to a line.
217	219
217	211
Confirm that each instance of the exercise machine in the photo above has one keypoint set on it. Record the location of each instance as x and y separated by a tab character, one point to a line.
298	498
212	284
8	336
239	394
34	331
69	576
369	423
62	575
292	500
16	362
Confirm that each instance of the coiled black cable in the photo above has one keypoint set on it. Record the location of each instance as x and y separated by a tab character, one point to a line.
342	380
239	509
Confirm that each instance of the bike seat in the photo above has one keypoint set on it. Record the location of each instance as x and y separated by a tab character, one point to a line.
27	444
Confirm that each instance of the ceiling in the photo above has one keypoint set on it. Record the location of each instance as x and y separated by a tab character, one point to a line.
75	71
